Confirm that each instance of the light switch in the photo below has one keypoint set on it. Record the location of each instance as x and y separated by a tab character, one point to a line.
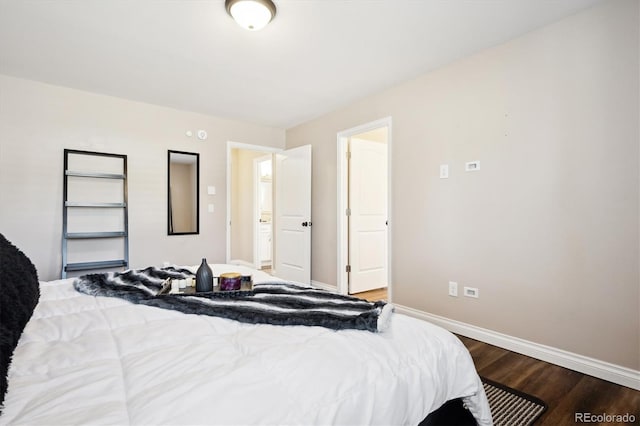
211	190
444	171
210	206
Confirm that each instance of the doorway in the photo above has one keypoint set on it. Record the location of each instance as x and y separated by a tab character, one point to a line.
249	207
263	210
364	208
291	209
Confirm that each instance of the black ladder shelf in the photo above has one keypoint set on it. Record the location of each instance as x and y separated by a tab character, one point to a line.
93	158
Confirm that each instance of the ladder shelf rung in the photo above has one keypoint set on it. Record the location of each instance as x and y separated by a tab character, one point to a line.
95	175
85	235
99	205
86	266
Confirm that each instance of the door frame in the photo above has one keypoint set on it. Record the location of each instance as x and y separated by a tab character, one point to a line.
239	145
342	202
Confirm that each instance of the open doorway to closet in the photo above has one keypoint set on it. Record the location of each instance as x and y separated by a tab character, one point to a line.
363	210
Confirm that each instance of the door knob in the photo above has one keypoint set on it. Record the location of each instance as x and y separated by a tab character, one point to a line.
306	224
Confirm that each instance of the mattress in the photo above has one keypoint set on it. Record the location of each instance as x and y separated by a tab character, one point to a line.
98	360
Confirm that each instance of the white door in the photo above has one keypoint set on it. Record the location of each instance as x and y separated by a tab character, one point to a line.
293	214
367	222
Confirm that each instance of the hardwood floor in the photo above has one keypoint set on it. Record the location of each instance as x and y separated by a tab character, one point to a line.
373	295
566	392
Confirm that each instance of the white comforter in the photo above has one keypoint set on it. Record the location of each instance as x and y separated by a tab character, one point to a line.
98	360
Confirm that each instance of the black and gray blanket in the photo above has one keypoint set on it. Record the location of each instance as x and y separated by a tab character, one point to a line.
275	303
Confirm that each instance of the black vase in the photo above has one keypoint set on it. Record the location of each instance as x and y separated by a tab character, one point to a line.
204	277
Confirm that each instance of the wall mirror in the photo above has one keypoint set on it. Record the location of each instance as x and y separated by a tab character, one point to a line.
183	195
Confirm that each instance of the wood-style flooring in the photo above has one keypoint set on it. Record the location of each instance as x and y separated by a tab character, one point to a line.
373	295
565	391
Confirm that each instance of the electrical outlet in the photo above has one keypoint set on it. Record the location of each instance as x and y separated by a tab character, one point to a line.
444	171
453	289
471	292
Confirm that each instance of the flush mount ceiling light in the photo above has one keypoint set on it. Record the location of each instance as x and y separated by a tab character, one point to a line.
251	14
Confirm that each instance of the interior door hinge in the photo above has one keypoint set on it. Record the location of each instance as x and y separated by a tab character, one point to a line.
348	268
348	155
348	212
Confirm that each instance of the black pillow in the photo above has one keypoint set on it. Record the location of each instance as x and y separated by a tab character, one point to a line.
19	294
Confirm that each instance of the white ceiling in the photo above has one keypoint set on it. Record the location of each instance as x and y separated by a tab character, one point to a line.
316	56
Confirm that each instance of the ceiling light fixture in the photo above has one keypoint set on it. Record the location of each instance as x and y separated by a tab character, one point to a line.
251	14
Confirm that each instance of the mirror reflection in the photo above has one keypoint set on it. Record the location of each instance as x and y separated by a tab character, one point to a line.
183	197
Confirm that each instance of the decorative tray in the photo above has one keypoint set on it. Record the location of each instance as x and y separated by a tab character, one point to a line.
246	288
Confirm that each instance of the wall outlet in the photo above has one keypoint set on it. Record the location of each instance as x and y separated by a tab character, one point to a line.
444	171
453	289
471	292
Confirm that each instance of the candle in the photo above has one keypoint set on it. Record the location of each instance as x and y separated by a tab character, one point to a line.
230	281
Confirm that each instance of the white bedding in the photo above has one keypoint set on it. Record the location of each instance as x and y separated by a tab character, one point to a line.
98	360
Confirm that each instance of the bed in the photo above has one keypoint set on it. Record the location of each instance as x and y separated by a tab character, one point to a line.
102	360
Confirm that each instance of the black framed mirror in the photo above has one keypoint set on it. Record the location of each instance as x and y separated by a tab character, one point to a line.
183	206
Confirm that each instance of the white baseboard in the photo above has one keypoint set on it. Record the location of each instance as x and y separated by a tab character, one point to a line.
603	370
324	286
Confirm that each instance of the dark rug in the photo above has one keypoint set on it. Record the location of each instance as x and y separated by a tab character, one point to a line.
510	407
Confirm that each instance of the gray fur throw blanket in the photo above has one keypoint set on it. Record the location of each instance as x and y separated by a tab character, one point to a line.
275	303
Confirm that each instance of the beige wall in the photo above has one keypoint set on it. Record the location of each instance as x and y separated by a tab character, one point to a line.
37	121
377	135
548	228
242	200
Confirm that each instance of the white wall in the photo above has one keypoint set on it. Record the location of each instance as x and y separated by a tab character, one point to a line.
548	228
37	121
